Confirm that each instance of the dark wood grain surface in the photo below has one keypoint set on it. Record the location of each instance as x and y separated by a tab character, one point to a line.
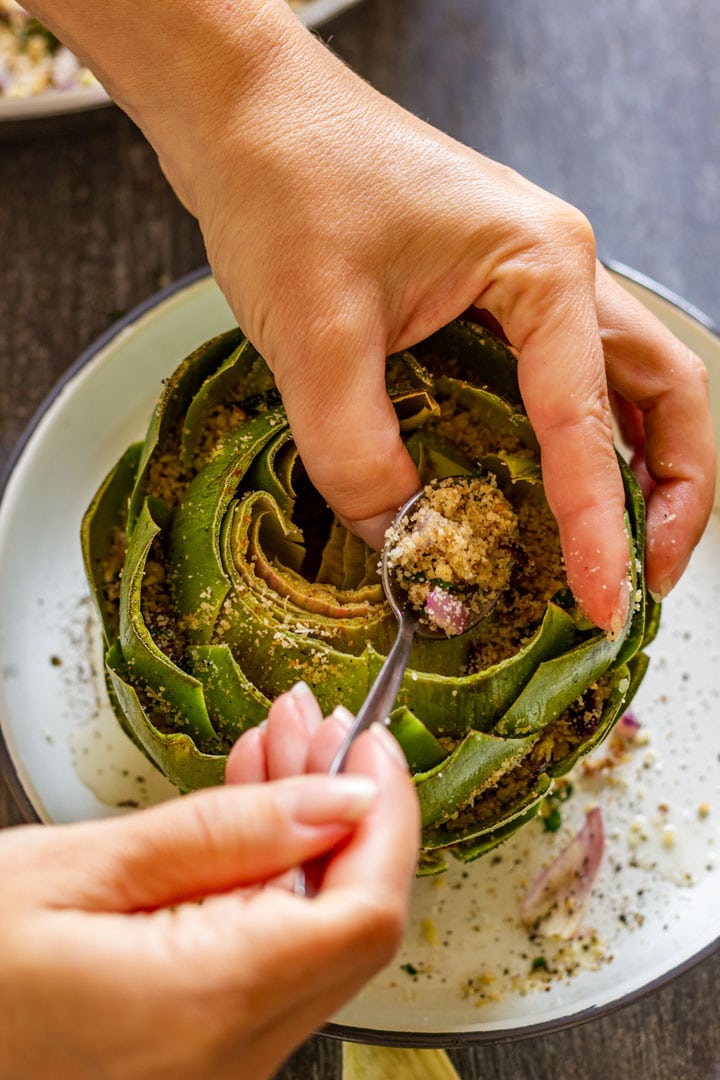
612	106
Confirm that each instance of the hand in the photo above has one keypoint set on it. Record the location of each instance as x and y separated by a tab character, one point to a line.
110	965
341	228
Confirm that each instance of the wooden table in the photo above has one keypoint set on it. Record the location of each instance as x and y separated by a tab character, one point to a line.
613	106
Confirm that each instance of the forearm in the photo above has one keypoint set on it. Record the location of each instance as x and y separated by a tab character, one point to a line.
182	69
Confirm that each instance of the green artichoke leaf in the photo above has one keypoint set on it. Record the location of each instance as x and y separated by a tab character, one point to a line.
476	765
653	610
335	614
414	409
169	413
404	372
346	559
469	850
556	684
511	802
622	686
431	863
492	412
512	469
102	525
435	459
175	753
233	702
480	356
635	526
452	704
421	748
559	682
242	374
272	472
195	534
177	696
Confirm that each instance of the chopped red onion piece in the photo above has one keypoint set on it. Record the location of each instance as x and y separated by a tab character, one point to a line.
628	724
555	901
65	69
445	611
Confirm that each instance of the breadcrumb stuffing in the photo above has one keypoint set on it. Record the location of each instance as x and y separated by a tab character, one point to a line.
454	553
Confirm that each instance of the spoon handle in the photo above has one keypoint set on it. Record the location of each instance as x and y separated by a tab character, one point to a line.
376	707
379	702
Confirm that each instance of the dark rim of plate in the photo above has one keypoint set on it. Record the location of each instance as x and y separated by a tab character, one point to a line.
374	1036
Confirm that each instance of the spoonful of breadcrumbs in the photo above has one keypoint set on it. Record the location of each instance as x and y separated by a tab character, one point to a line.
449	554
447	559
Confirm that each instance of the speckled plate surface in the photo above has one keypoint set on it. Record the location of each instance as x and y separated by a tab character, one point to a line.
312	13
467	969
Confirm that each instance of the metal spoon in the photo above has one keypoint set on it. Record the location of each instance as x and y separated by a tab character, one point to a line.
380	700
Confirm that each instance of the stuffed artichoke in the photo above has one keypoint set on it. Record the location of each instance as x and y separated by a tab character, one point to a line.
222	578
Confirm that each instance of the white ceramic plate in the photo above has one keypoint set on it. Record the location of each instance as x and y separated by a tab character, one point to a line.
464	970
312	13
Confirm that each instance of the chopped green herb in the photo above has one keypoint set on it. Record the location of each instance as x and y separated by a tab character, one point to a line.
409	968
552	820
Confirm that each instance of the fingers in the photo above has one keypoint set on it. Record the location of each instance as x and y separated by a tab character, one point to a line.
205	843
667	384
333	943
388	838
279	746
345	427
549	315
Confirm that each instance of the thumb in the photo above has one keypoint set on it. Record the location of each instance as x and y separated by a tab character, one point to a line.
347	432
208	842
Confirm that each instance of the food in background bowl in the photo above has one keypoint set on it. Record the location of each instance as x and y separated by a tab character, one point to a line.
32	60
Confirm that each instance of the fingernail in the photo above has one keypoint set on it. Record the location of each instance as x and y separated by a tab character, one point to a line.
306	704
389	743
620	614
371	530
666	587
343	716
331	798
300	690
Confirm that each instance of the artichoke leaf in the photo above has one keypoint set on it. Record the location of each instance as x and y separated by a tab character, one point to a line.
475	765
348	560
421	748
102	524
178	393
195	535
492	413
450	705
229	382
511	811
177	696
481	357
175	753
556	684
272	471
469	850
234	704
